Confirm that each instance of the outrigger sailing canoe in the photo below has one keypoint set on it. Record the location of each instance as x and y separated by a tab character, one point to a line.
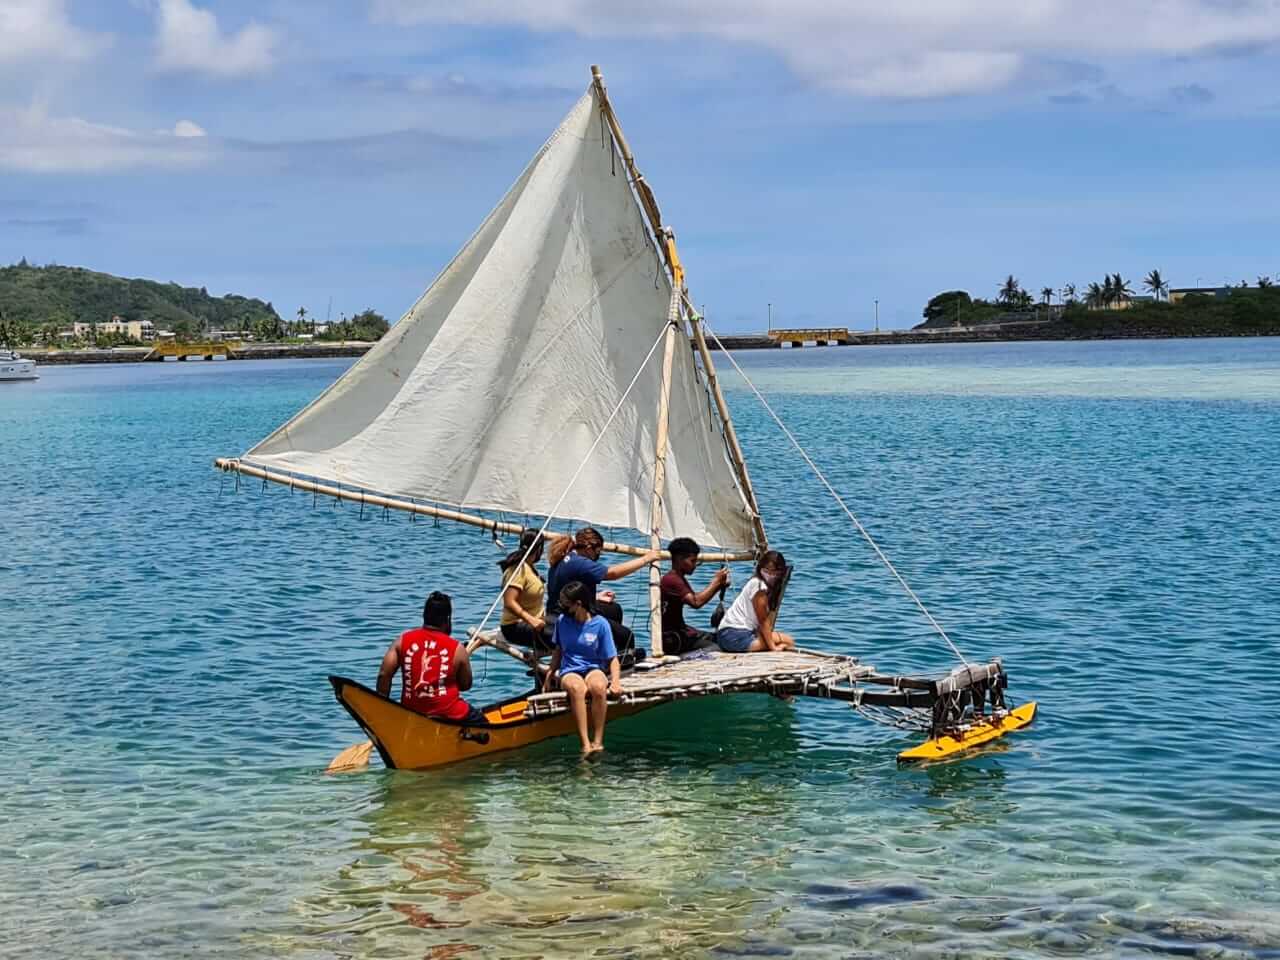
559	335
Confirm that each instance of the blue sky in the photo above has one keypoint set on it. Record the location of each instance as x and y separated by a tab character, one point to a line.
813	155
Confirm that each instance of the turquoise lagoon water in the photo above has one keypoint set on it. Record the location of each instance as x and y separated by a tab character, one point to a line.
1103	515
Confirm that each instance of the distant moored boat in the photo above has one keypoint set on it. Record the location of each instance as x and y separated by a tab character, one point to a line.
14	367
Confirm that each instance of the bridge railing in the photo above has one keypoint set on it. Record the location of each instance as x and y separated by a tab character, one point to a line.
811	334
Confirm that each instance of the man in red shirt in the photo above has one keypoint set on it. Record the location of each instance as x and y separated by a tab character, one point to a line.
434	668
677	636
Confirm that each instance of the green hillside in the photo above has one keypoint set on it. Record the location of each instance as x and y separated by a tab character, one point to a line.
42	300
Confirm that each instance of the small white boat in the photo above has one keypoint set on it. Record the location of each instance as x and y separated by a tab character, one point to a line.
14	367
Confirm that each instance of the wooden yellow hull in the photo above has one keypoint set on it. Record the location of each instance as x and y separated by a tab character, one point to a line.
980	732
409	741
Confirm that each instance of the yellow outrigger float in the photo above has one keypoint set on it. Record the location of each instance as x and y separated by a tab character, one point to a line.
563	333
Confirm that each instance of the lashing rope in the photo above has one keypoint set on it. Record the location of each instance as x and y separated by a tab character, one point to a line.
832	490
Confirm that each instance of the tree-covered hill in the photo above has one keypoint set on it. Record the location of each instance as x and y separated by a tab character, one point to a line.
53	297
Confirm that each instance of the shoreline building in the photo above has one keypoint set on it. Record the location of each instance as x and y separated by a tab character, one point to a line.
133	329
1180	293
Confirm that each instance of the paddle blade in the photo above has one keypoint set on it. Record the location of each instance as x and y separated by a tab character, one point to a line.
355	757
718	614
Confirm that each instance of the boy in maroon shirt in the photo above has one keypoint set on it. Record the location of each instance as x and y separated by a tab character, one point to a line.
677	636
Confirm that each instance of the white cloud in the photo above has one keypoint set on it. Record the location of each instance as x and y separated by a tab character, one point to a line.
909	48
34	142
188	38
40	28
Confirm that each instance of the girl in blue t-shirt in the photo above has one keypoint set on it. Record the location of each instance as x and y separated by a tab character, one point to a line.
584	650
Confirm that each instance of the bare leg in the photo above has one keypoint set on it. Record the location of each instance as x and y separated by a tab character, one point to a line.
597	687
575	689
788	642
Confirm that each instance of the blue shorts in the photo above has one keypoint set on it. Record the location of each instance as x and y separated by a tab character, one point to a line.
735	639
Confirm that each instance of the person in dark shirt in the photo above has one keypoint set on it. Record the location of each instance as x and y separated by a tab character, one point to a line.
677	636
579	561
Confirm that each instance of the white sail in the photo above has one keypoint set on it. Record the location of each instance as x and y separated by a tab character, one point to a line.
490	391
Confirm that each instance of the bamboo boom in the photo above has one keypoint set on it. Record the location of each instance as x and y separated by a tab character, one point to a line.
650	206
647	199
231	464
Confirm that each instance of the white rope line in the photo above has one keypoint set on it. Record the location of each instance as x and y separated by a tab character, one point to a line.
832	490
581	466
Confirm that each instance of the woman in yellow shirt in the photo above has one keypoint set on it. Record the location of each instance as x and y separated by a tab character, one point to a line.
524	613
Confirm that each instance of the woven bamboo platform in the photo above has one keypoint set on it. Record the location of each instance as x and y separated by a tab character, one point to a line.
708	672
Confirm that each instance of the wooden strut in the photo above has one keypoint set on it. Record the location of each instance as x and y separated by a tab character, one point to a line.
667	243
235	465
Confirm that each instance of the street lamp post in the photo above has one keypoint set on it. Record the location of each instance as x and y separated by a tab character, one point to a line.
877	303
770	316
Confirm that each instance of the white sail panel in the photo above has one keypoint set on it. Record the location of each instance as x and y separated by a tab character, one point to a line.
490	391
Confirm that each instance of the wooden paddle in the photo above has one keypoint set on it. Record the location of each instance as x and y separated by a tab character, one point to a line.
355	757
718	614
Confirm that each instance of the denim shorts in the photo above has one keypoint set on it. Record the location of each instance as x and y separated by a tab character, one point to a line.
735	639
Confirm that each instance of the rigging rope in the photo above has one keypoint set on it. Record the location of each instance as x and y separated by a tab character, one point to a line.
832	490
581	466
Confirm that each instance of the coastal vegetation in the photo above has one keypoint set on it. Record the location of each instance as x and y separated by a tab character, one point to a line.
61	306
1111	308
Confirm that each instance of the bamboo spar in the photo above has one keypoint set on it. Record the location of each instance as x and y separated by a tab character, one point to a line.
650	206
731	435
233	465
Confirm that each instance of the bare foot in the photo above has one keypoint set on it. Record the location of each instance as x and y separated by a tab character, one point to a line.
597	748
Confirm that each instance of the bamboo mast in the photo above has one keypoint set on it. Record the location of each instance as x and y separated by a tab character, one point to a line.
650	206
660	447
233	465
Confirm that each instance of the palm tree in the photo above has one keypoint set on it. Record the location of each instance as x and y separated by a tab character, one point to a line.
1155	283
1095	297
302	318
1046	293
1108	292
1069	293
1264	282
1010	291
1120	289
